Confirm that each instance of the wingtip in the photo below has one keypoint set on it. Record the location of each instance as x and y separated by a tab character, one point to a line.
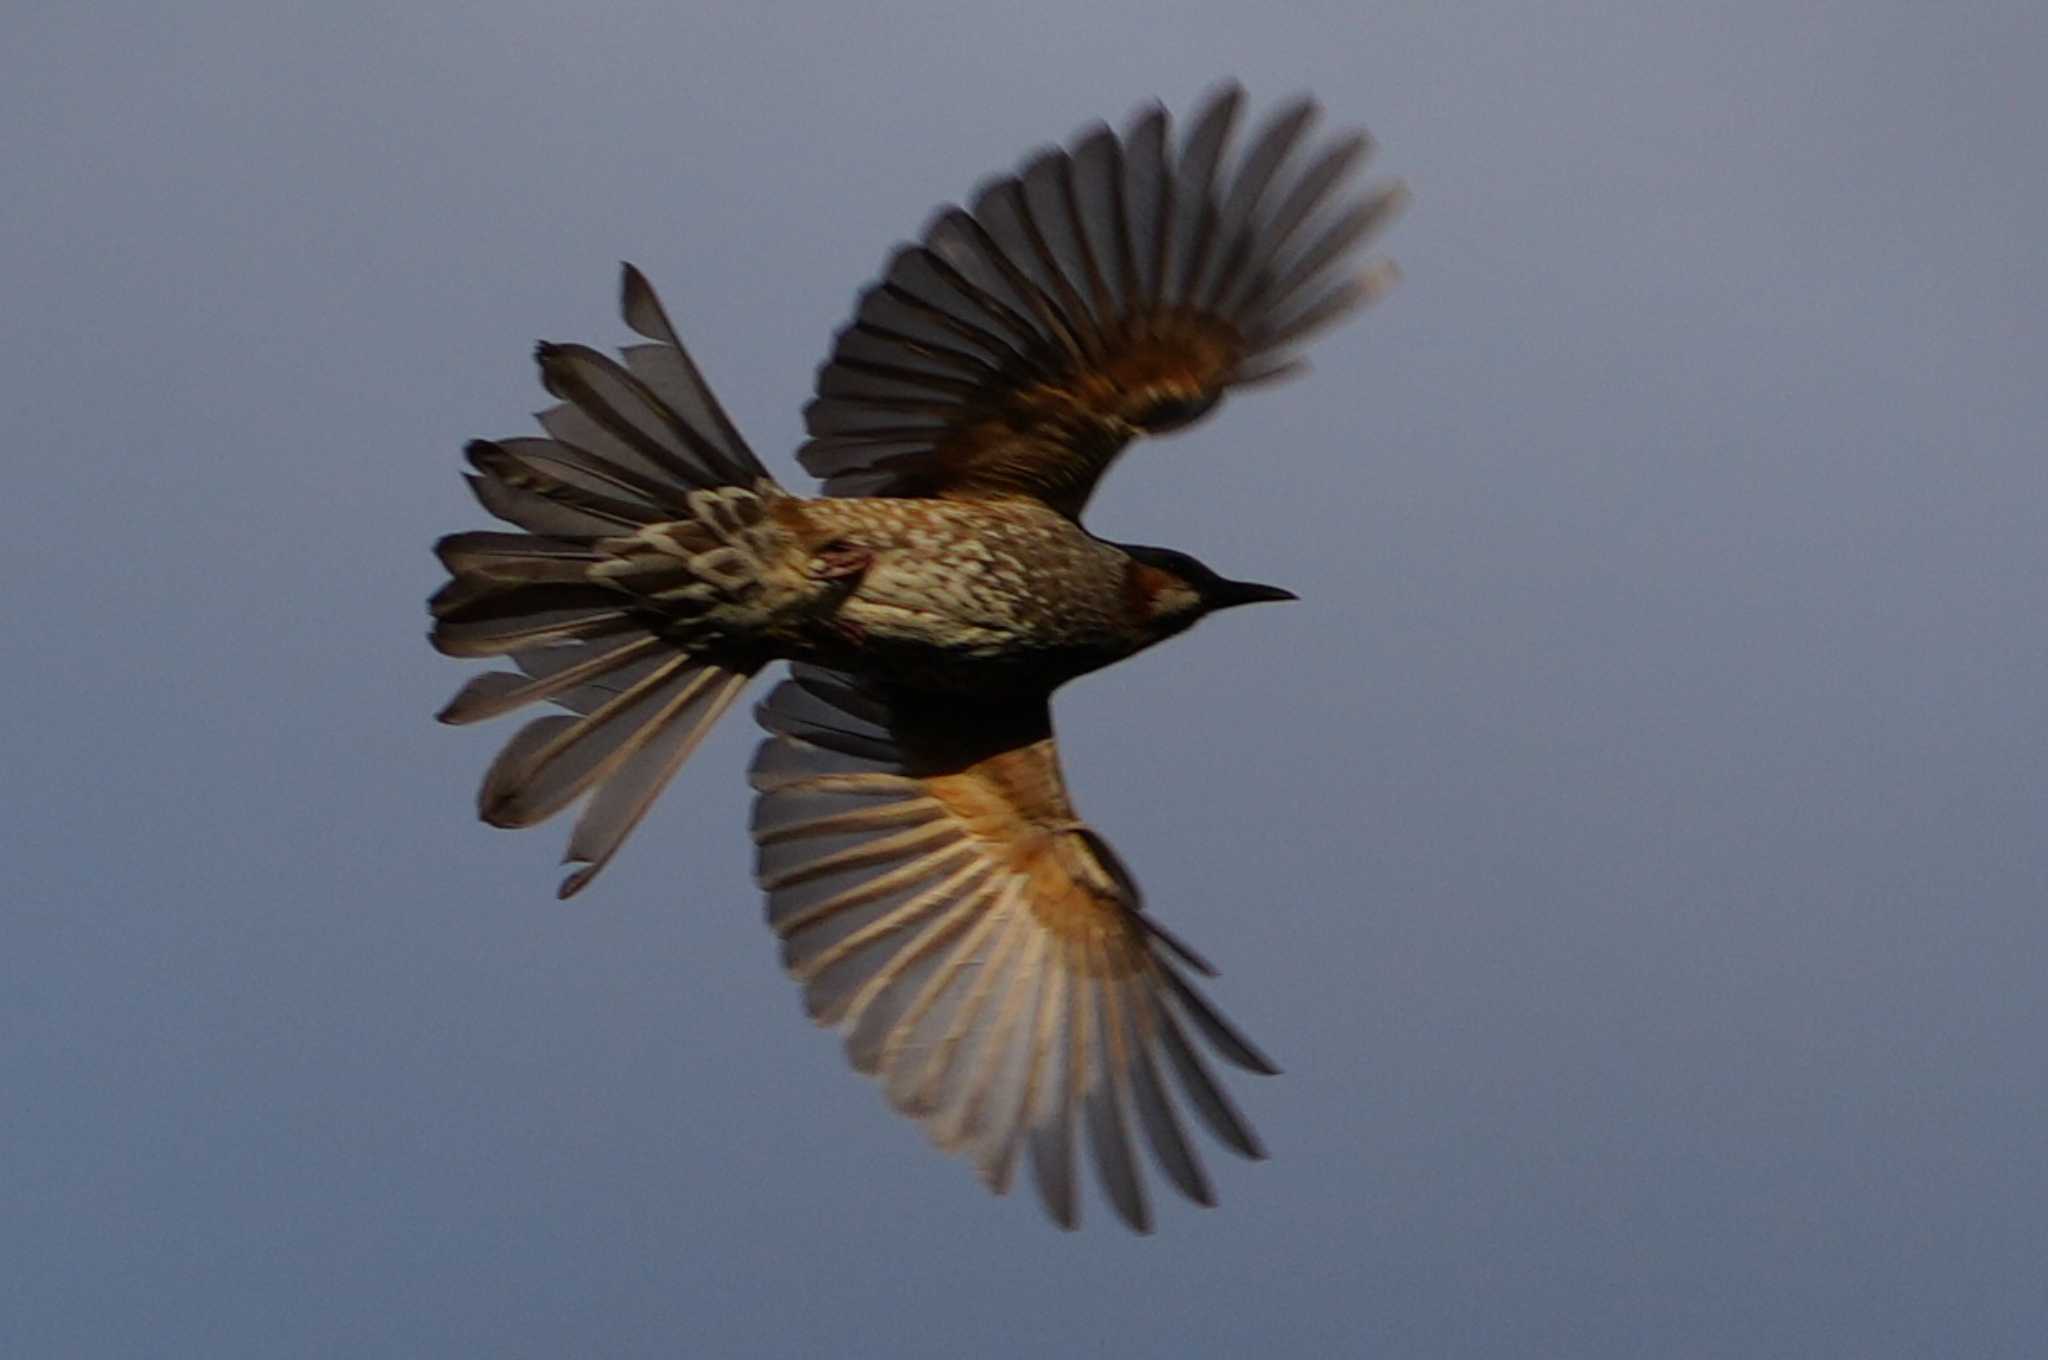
1254	1058
1178	947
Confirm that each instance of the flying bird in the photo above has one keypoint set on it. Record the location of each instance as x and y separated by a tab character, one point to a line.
983	950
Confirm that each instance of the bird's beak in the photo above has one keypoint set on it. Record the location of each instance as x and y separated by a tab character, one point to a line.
1247	592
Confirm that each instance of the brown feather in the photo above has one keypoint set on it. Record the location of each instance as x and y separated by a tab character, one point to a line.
1115	289
981	946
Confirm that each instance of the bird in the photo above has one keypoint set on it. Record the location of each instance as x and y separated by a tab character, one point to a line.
984	952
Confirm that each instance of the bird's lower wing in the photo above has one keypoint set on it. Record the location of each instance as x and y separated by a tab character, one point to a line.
982	950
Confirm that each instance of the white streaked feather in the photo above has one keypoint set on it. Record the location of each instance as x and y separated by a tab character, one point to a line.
1007	1090
818	939
837	993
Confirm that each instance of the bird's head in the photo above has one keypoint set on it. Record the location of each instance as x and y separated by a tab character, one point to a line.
1170	590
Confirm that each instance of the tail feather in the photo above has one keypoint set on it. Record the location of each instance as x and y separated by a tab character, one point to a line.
637	701
475	617
622	752
539	494
486	556
514	592
624	800
665	366
568	472
643	477
609	411
587	696
533	779
499	692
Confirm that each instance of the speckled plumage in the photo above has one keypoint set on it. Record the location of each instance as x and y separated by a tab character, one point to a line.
982	581
935	892
988	597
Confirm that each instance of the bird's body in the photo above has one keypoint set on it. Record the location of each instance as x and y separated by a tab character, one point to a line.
936	892
990	597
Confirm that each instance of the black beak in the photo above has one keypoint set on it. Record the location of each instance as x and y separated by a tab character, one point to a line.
1229	593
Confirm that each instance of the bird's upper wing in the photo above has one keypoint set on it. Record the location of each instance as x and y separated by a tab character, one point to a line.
1117	287
983	950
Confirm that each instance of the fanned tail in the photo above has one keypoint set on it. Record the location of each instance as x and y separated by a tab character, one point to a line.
638	447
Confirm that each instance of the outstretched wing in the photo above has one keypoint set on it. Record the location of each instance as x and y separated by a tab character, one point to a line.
982	949
1118	287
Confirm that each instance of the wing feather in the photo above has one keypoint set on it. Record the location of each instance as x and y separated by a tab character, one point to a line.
1118	287
983	952
1104	1105
1155	1108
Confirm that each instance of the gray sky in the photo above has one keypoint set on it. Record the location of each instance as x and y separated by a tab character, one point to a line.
1631	848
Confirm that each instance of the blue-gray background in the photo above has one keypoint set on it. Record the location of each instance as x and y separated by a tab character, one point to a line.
1632	847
